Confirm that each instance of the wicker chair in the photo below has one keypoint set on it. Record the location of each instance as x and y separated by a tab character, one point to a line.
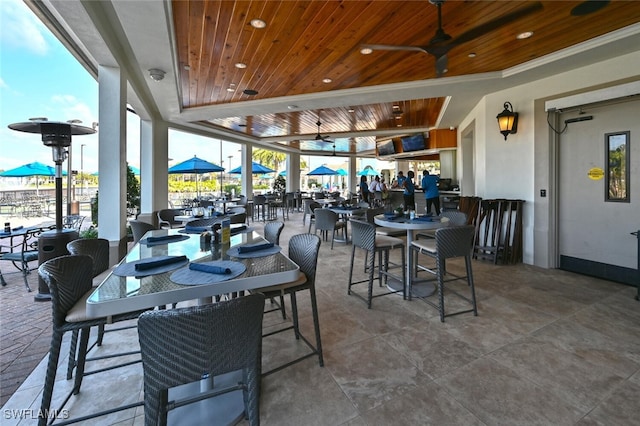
98	250
455	241
363	236
327	223
139	228
456	218
181	346
303	250
69	280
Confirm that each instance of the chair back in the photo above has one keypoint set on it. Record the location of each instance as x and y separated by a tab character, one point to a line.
303	250
72	222
69	278
454	241
207	203
272	231
202	223
456	217
96	248
363	234
238	218
139	228
313	206
259	200
325	219
167	217
370	214
237	209
178	346
243	200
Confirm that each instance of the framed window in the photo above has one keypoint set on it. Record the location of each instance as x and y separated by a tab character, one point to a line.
617	155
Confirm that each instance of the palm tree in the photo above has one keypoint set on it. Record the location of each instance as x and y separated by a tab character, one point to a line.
269	158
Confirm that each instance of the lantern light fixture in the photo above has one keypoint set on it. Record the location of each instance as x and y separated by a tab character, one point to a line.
508	120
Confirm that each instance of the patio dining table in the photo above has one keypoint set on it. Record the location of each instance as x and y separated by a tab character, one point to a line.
120	294
418	289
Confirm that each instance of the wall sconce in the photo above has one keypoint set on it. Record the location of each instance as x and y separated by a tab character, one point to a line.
508	120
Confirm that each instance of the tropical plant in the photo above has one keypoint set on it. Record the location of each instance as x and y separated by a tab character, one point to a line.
91	232
279	184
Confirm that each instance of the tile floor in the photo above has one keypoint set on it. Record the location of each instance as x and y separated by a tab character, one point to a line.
548	348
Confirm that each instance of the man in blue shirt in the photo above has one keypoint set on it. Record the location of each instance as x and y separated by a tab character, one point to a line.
409	190
400	180
430	189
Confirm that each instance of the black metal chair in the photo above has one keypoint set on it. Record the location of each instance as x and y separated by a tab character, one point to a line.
69	279
303	250
272	231
450	242
186	345
363	236
21	249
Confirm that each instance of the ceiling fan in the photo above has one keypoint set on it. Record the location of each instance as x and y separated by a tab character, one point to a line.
319	137
441	42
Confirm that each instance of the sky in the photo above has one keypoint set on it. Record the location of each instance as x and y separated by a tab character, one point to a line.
40	78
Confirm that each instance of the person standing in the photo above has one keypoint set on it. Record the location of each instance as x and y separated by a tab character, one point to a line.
399	183
409	191
431	192
364	189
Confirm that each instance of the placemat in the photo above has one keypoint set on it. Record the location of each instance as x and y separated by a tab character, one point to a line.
164	240
198	230
186	276
128	269
233	251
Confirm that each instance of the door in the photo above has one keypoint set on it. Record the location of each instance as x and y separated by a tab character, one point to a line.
594	230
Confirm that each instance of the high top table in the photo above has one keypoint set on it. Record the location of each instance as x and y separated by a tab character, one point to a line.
118	294
421	289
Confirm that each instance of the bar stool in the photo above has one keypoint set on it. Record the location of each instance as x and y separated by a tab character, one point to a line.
450	242
363	236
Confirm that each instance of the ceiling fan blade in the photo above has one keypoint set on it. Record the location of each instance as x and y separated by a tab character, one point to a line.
487	27
394	47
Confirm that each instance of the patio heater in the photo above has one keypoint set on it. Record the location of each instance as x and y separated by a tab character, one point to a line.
56	135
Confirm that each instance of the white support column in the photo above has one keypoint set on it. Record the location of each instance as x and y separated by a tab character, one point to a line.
353	178
293	172
112	140
247	177
154	153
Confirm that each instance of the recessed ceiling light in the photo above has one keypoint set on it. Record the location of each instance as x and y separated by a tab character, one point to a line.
187	67
250	92
230	89
241	65
232	85
396	107
472	55
351	110
258	23
292	106
398	117
524	35
398	125
366	51
326	80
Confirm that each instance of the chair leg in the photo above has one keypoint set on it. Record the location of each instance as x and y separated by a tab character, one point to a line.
73	351
316	325
25	272
372	264
50	378
82	355
284	314
467	261
294	313
440	275
353	252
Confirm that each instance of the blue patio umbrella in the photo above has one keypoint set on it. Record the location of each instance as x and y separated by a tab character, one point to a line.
196	166
32	169
342	172
368	171
256	169
322	171
283	173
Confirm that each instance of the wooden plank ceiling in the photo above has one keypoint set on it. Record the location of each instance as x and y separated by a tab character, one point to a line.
306	42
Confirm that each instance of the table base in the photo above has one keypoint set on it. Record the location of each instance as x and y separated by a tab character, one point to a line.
226	409
420	289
